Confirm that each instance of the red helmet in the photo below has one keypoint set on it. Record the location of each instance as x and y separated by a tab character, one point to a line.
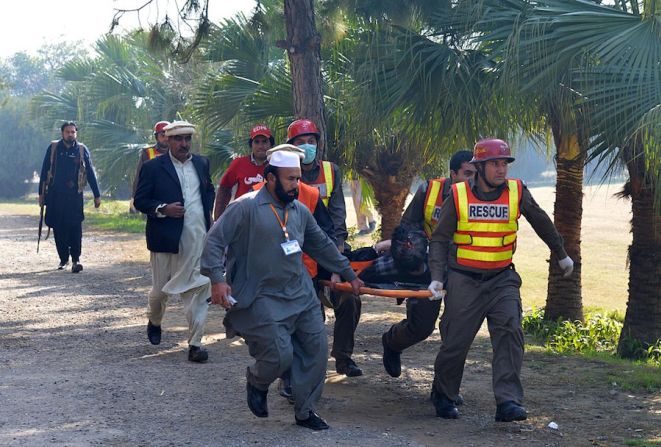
301	127
261	129
158	127
491	149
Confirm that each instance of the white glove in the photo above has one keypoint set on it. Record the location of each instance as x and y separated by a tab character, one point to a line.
567	266
436	289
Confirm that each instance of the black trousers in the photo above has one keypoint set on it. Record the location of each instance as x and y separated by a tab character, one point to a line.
68	241
420	322
347	309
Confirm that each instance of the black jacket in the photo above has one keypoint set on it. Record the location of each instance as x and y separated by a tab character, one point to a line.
159	184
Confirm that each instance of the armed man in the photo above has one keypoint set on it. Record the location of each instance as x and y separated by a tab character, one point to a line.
474	241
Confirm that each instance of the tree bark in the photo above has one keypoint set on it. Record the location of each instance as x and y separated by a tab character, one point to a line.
563	300
303	47
390	193
642	322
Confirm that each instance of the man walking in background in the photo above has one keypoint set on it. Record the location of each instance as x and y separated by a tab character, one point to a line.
244	172
66	169
149	153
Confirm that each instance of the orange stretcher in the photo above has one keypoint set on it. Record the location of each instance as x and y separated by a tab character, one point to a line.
386	293
382	291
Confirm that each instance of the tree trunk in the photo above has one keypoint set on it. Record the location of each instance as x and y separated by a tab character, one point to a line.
642	323
390	193
303	48
563	298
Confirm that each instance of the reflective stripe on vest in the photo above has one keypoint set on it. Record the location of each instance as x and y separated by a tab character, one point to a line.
486	231
152	153
324	182
433	202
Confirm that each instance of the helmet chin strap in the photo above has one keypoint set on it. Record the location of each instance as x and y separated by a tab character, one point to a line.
480	172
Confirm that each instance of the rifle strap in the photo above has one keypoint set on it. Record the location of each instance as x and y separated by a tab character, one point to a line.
82	170
51	168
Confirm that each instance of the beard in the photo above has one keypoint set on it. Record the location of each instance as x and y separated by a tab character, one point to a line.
285	196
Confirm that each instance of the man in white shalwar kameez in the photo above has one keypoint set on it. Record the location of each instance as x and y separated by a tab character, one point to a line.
176	193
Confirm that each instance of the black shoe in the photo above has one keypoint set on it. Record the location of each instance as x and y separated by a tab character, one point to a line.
313	422
445	408
348	368
510	411
76	268
62	265
284	389
257	401
391	359
460	400
197	354
154	333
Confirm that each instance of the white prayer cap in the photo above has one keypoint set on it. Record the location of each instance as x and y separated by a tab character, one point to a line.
285	159
286	148
179	128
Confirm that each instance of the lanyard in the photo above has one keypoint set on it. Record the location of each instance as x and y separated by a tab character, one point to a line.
283	225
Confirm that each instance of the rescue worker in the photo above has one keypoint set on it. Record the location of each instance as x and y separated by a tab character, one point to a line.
65	171
422	213
480	218
254	252
244	172
326	177
149	153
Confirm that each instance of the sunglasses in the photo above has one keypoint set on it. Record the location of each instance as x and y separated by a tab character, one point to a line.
182	137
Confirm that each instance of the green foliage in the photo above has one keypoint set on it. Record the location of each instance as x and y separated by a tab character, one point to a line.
114	215
599	334
22	147
116	95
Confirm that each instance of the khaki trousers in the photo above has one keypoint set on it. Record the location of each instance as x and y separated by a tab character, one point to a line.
194	300
468	302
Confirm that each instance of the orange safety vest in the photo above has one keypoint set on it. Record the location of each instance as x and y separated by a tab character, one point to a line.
308	196
486	231
325	181
433	202
152	153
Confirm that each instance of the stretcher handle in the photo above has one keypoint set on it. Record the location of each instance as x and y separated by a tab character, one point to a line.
386	293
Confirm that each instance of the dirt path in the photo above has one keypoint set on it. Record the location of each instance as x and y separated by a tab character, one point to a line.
76	369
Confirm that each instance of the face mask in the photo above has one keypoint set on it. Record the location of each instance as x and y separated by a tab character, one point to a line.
310	152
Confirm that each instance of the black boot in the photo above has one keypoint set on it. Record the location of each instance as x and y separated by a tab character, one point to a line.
257	401
348	368
510	411
197	354
391	359
445	408
313	422
153	333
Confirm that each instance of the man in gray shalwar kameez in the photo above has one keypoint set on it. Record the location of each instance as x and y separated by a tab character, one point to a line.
253	255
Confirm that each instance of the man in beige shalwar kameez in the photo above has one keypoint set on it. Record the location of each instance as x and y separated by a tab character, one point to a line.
176	193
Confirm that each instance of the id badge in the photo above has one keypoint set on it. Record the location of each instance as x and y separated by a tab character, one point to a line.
290	247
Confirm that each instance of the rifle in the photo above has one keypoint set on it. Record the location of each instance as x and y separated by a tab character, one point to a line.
44	190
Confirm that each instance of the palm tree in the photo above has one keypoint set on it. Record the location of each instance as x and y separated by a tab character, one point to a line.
116	97
620	84
248	83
